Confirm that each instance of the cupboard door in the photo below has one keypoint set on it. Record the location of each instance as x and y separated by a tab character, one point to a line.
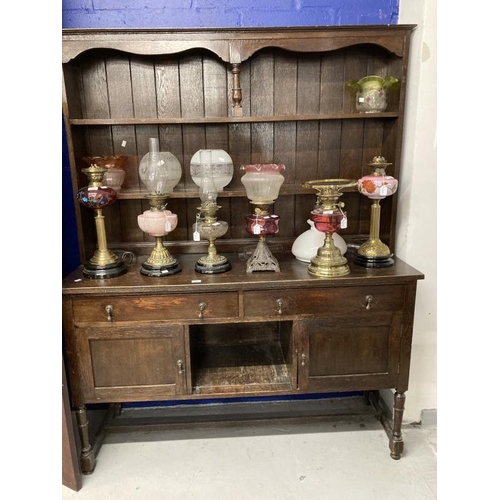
349	354
138	363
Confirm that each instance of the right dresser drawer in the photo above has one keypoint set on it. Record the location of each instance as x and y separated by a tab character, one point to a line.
336	302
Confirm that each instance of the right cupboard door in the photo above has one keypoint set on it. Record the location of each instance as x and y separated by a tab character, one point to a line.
349	354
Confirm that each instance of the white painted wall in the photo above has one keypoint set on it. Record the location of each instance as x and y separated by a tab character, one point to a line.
417	213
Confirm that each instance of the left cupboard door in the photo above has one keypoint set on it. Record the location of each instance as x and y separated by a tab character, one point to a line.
132	363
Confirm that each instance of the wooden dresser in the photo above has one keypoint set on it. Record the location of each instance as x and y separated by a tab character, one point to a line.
264	96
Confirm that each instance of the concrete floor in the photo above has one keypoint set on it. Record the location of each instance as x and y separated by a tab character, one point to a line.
321	459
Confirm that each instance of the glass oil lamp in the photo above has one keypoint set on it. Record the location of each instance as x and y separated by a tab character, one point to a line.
328	218
211	170
376	186
160	171
262	183
104	263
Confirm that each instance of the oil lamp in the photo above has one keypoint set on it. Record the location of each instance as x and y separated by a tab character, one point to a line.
376	186
328	218
160	172
104	263
211	170
262	183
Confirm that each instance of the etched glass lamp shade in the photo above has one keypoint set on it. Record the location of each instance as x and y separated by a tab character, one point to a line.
262	184
214	162
160	172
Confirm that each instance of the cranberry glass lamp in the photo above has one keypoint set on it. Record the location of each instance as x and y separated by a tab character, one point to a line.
114	175
211	170
104	263
376	186
262	183
160	172
329	218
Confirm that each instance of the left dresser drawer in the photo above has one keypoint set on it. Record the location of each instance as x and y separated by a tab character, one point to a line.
186	307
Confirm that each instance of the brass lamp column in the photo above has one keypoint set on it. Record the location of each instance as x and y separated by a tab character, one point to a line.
329	218
104	263
376	186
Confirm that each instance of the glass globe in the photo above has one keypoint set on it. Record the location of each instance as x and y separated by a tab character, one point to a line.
212	162
159	170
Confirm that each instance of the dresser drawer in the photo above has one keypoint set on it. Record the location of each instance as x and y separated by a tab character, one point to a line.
337	302
187	307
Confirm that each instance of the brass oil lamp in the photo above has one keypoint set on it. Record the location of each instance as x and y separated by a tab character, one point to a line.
160	172
376	186
211	170
104	263
329	218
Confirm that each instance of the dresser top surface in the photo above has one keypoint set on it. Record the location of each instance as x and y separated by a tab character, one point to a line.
293	274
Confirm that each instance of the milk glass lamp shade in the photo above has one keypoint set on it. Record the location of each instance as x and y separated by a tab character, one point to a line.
159	170
215	162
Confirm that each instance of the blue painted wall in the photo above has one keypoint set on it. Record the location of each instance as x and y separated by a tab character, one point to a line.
204	13
225	13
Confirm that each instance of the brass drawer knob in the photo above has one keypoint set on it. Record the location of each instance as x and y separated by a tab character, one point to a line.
201	307
279	303
368	302
109	312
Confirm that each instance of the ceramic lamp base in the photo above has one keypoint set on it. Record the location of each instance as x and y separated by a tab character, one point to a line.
386	261
163	270
96	271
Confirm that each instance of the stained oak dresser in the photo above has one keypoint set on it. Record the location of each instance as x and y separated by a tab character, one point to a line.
264	95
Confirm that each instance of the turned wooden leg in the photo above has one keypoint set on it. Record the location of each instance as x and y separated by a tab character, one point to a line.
396	442
87	455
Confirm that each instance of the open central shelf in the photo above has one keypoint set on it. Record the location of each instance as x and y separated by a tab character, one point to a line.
241	358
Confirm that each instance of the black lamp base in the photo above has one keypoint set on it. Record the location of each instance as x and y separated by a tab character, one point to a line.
386	261
113	270
159	271
203	268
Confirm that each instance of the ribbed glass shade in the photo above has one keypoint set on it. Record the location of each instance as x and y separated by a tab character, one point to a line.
262	182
